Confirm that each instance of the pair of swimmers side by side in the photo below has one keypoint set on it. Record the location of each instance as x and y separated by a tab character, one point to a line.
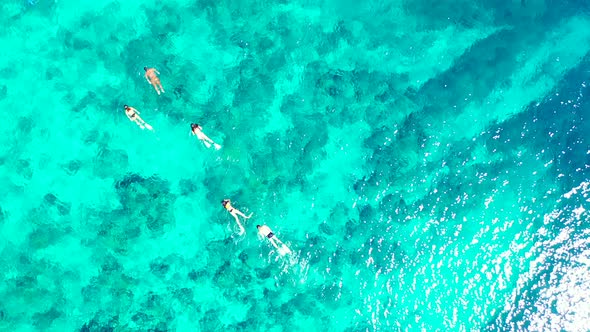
133	115
263	230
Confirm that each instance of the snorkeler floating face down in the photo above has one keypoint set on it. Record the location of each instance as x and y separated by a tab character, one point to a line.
151	75
235	213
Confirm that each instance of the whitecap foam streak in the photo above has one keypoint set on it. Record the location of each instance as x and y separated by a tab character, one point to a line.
578	212
583	187
548	218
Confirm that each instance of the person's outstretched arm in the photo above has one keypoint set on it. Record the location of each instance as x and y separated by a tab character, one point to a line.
242	214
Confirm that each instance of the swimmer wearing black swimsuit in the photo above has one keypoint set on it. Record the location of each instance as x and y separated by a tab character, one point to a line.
265	231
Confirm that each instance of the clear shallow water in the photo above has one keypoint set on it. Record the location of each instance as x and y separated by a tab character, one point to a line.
426	162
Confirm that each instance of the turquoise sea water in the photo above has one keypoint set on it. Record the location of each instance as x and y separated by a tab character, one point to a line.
427	163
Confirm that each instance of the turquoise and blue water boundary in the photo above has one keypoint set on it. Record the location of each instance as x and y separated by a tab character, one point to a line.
426	163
